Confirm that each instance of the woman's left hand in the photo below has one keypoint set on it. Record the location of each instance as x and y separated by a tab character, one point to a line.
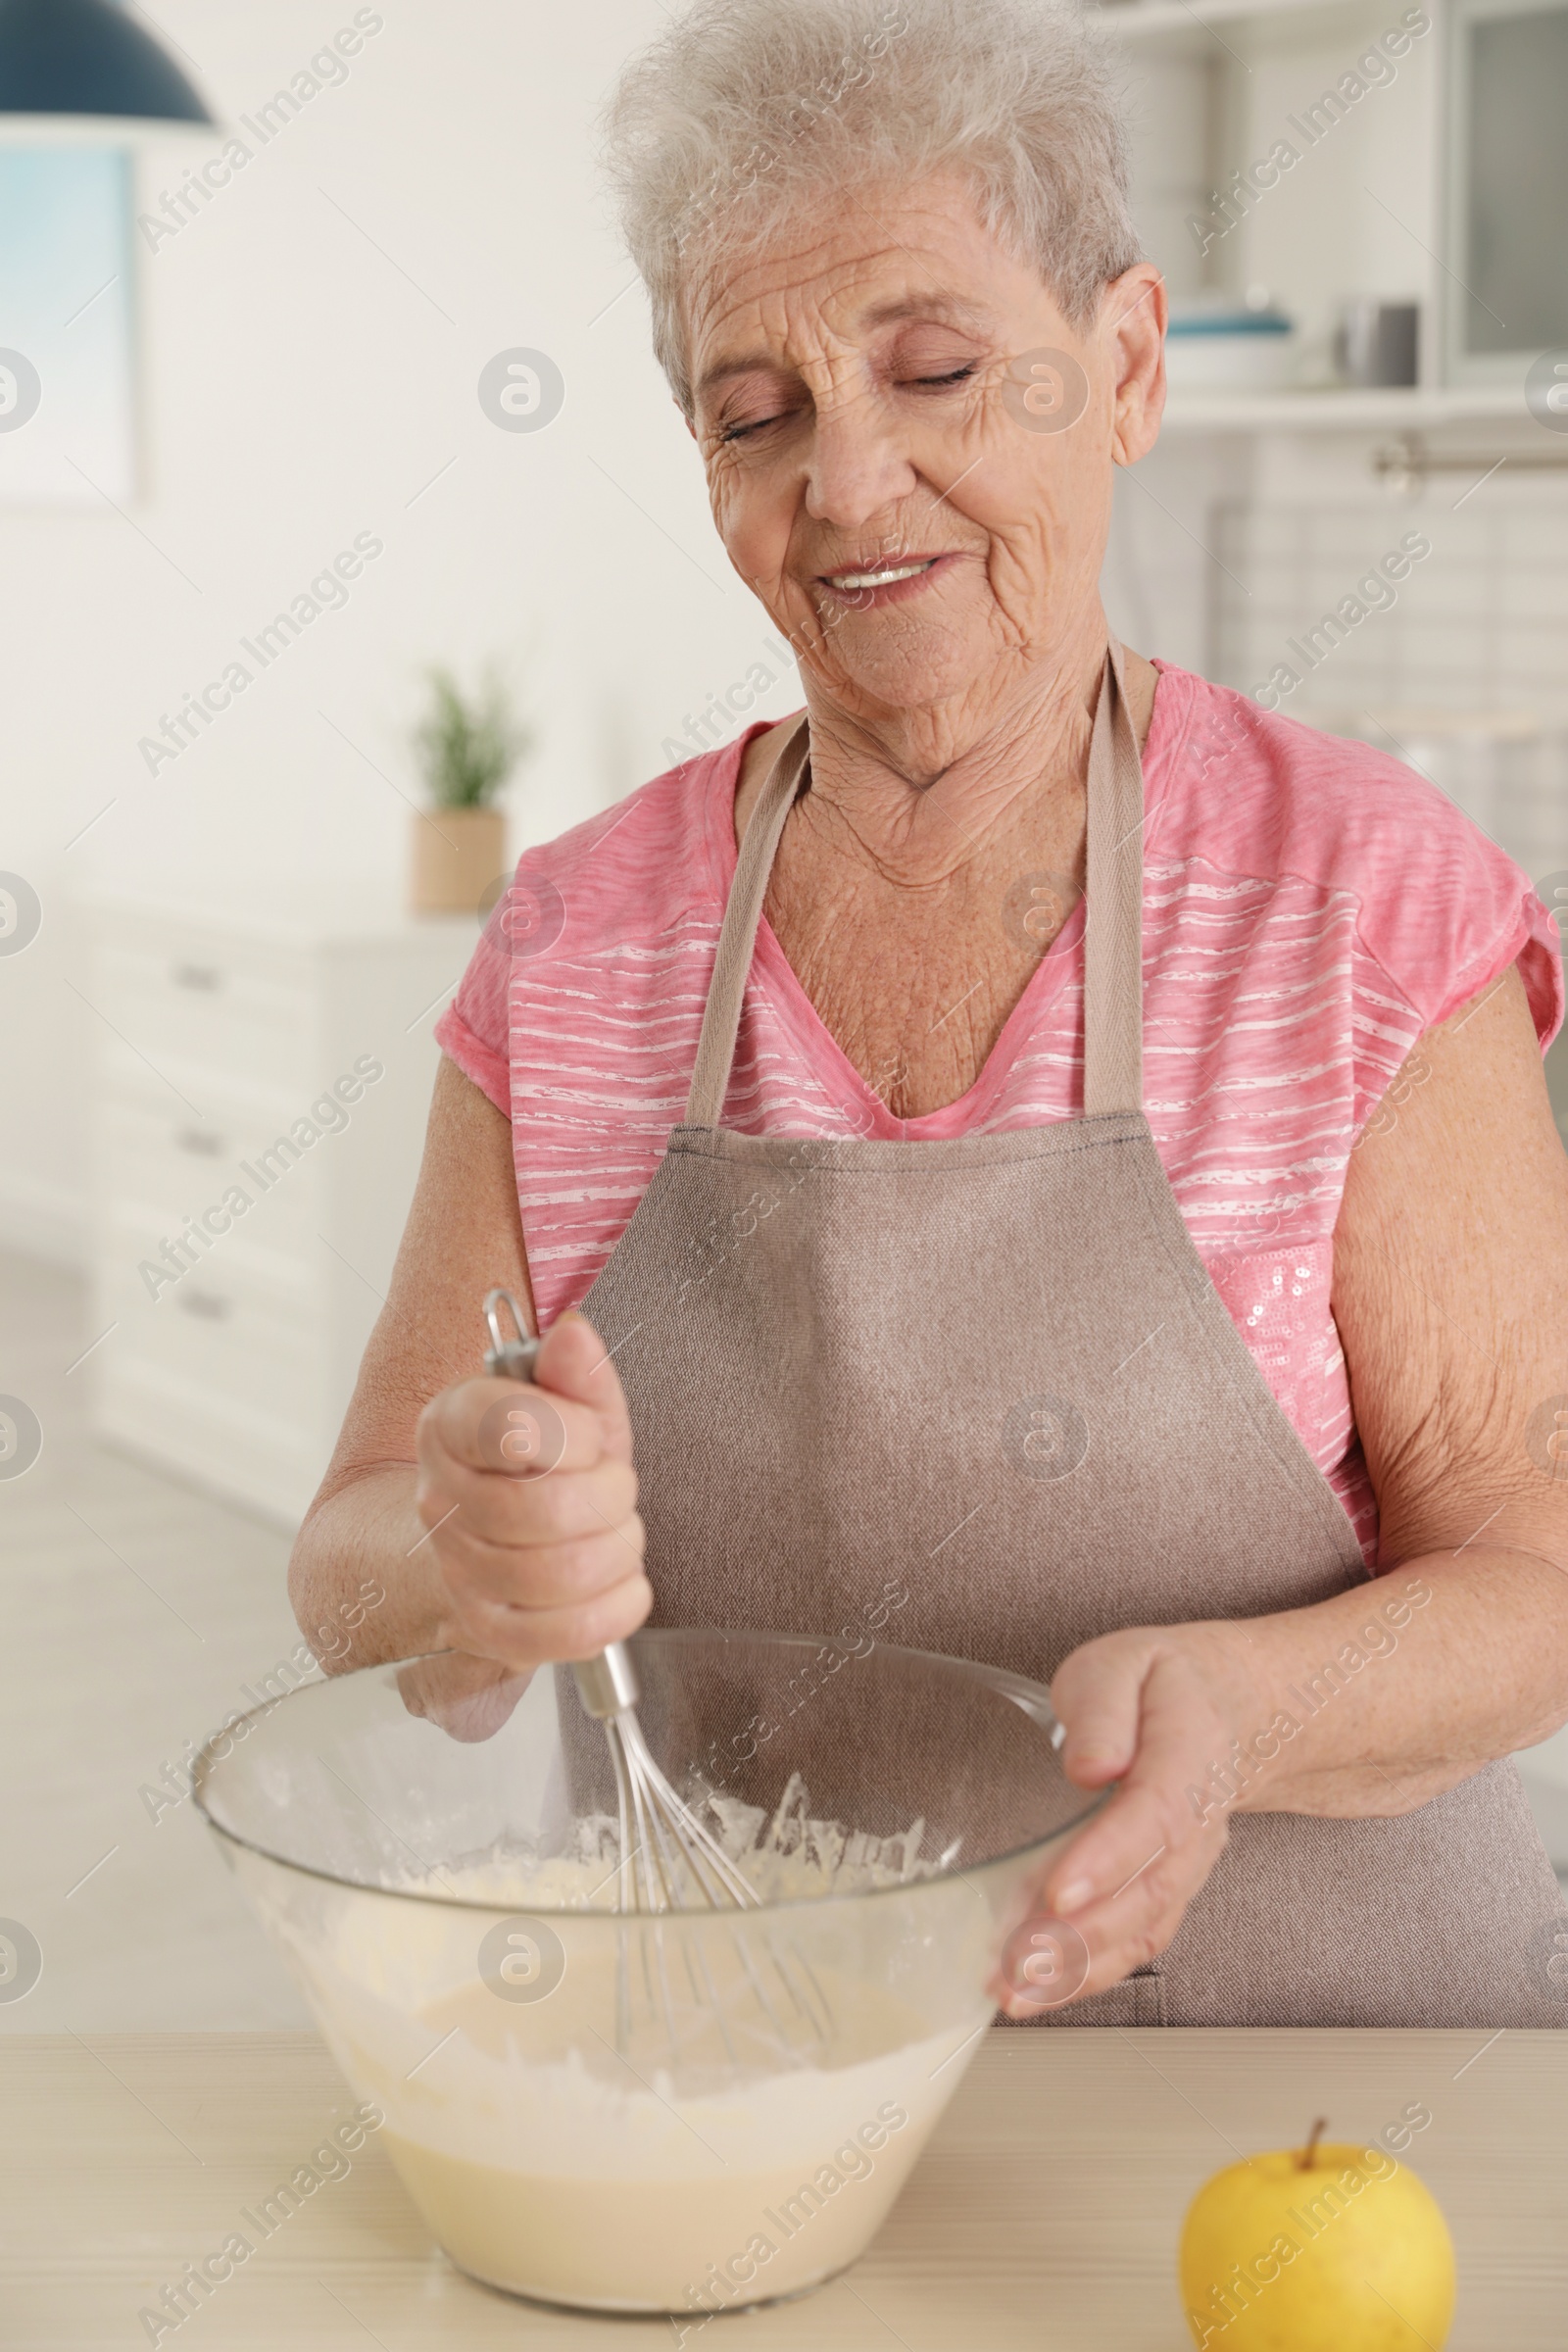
1156	1708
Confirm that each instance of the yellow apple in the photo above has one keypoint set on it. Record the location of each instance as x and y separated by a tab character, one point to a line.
1317	2249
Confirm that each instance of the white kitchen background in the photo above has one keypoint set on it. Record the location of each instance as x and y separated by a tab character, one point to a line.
220	940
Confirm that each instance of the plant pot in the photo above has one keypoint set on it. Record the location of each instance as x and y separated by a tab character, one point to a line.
457	855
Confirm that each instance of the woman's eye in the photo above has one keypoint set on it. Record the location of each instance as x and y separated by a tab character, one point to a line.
731	433
958	375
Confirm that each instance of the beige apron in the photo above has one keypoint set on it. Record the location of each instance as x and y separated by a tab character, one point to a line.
993	1376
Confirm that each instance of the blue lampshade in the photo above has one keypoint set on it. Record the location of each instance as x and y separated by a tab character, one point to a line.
88	57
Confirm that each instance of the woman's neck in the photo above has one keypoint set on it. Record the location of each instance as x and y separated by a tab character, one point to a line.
916	800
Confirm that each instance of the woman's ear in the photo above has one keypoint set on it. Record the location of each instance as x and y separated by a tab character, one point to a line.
1133	317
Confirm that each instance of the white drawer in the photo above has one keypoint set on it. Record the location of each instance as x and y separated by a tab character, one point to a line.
231	1010
217	1037
253	1337
163	1166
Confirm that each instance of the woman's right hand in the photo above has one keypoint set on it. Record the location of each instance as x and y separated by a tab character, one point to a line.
530	1500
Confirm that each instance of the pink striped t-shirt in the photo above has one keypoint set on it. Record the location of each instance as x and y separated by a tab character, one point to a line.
1310	907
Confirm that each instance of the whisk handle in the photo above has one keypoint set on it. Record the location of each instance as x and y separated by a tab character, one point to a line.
506	1359
608	1685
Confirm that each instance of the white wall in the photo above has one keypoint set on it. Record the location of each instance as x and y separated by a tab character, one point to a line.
298	386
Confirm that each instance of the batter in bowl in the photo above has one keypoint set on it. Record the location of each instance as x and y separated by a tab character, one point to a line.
708	2159
621	2199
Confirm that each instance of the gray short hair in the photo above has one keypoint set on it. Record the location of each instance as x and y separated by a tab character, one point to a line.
744	105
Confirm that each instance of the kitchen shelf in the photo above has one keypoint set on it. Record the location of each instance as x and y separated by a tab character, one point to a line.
1340	412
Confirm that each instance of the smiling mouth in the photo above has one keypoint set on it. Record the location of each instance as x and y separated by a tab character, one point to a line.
847	582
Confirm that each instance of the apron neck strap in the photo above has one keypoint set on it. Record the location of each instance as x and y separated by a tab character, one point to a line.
1113	916
722	1015
1113	934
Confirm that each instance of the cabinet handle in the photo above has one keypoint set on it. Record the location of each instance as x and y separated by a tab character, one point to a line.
203	976
205	1303
201	1141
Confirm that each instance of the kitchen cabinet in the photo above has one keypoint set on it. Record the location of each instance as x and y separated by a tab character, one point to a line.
1506	191
260	1100
1379	201
1328	148
1295	148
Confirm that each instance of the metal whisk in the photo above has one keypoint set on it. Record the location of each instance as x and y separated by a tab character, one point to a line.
667	1859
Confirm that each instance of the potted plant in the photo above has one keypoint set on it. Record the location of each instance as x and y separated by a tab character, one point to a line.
467	748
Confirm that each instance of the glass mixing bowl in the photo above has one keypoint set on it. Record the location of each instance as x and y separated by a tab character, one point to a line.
628	2113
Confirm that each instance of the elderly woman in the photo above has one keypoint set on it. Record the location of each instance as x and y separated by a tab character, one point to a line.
1041	1147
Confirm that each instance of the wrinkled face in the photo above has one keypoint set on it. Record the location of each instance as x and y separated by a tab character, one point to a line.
910	450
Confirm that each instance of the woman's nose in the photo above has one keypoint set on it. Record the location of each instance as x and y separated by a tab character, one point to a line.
858	466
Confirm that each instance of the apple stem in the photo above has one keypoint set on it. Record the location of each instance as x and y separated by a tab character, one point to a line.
1303	2162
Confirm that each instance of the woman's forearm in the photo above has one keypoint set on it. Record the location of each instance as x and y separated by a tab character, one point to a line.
1372	1702
364	1540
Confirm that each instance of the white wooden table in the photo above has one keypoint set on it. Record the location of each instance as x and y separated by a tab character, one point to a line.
1044	2214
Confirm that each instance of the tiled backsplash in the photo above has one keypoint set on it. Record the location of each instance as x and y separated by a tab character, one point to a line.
1478	624
1430	625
